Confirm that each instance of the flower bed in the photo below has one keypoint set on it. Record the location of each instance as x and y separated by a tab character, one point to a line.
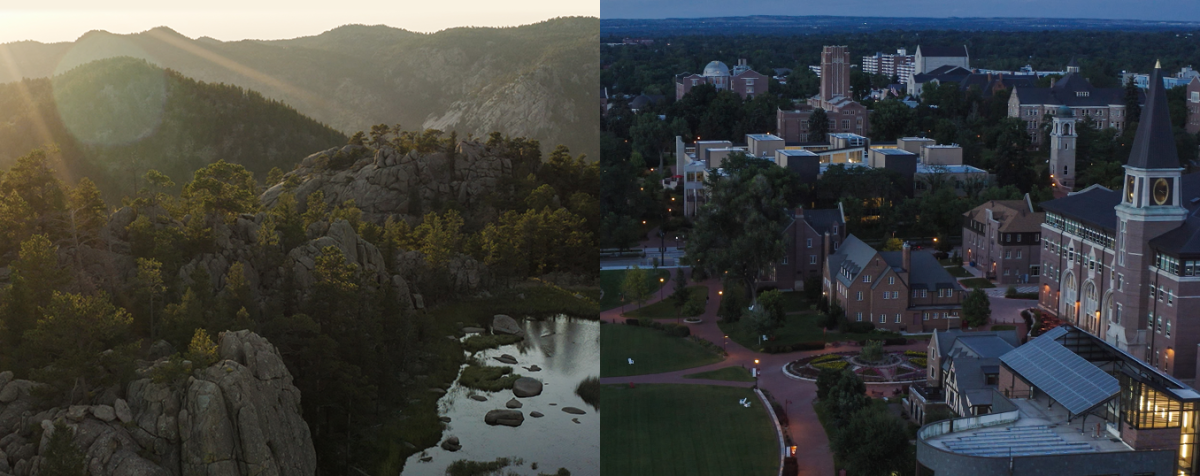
834	365
920	361
915	353
824	358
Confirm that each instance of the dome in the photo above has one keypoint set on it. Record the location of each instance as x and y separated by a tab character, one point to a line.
715	69
1064	111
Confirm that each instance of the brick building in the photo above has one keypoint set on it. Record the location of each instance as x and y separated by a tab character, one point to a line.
1003	239
742	80
1105	106
811	236
1125	265
844	114
902	291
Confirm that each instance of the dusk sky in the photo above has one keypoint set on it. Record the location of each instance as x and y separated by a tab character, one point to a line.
1176	10
65	20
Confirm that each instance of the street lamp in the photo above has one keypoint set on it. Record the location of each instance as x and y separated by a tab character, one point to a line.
725	343
660	288
755	373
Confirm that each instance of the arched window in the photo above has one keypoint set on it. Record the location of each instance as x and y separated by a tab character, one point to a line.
1070	295
1090	306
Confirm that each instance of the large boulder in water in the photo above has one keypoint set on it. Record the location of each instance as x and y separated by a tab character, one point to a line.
502	324
504	417
527	387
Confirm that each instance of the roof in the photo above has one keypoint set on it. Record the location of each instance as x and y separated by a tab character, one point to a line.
1154	144
943	73
1014	215
892	152
924	270
949	169
796	152
1071	90
644	100
764	137
824	219
942	51
852	255
1063	375
716	68
946	339
1093	205
982	346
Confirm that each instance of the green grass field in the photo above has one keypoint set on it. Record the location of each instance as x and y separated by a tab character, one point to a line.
610	282
957	271
976	283
687	430
652	352
797	328
732	374
665	309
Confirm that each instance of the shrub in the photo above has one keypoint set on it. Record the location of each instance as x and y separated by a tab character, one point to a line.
836	365
895	341
915	353
202	351
1011	292
872	352
633	322
733	304
919	361
858	327
589	391
677	330
693	308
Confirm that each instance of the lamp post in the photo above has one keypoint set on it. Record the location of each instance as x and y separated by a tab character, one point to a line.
725	344
755	373
661	285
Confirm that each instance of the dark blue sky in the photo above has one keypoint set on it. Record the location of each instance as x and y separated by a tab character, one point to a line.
1175	10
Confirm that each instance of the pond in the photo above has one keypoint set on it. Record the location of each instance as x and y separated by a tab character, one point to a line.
568	351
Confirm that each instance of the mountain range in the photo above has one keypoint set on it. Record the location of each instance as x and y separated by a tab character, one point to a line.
536	81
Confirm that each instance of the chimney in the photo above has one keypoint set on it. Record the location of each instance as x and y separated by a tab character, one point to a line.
825	246
906	254
1052	80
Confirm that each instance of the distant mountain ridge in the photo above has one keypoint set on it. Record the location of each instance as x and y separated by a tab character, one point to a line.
536	81
113	119
798	25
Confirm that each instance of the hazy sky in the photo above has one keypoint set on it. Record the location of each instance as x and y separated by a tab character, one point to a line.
1179	10
66	20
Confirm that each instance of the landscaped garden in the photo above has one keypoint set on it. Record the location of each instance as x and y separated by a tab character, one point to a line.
652	351
665	309
976	283
685	429
872	363
611	281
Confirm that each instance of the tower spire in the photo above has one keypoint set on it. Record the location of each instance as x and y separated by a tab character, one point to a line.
1154	144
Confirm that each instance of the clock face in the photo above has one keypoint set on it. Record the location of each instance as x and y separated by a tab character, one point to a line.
1162	191
1129	189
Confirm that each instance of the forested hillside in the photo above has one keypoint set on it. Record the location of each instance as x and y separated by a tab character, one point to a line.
357	301
114	119
534	81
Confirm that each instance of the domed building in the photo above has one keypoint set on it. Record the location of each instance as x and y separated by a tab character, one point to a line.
742	80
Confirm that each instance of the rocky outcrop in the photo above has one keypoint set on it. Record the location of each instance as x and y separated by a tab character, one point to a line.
386	182
240	416
502	324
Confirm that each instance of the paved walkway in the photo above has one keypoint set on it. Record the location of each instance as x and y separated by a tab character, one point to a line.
812	445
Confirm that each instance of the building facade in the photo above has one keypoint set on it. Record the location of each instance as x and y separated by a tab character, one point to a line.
901	291
844	114
1003	239
744	81
810	237
1125	266
899	65
1035	106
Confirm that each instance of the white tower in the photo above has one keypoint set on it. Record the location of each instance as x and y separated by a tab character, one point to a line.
1062	151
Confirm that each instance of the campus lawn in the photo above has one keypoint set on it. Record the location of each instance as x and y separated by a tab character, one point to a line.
610	282
804	327
652	351
950	262
976	283
663	430
732	374
666	308
957	271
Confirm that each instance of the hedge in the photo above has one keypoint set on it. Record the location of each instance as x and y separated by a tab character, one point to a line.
919	361
825	358
785	348
915	353
835	365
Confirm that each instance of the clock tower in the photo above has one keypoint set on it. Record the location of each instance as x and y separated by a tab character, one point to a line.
1062	151
1150	206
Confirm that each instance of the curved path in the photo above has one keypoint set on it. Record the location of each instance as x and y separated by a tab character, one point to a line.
812	445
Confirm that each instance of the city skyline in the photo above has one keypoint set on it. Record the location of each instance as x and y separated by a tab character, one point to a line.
1158	10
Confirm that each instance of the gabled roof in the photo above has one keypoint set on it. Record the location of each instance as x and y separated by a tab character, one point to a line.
1154	144
1062	374
945	339
925	272
1071	90
853	255
1093	205
1014	215
980	346
942	51
823	220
